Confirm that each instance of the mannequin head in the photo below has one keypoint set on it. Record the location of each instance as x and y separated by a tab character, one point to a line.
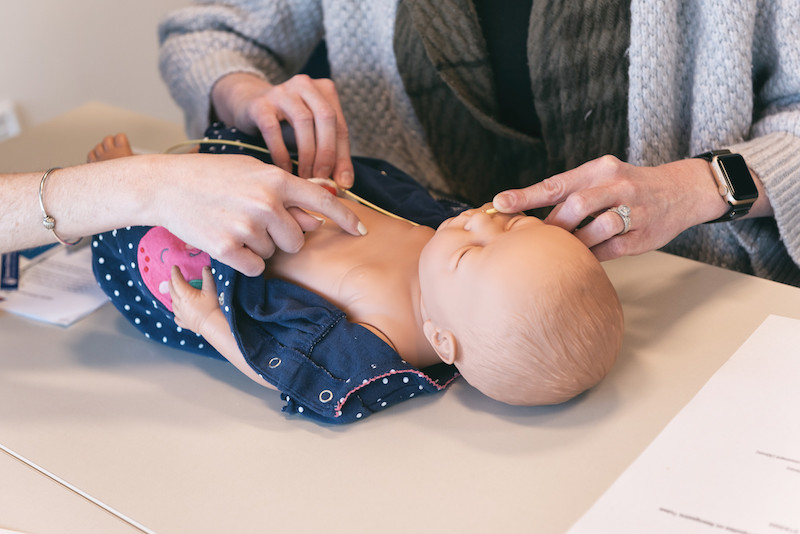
523	309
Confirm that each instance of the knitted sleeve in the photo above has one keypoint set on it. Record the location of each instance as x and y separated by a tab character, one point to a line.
204	42
700	80
773	150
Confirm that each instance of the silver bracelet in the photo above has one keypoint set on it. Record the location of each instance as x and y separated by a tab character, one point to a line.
47	221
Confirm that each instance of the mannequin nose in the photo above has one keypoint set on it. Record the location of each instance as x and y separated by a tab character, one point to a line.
479	221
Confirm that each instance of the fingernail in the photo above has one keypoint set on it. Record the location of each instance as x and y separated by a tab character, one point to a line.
502	201
320	219
361	228
346	179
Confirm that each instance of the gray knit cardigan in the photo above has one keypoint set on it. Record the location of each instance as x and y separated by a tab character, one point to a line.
703	74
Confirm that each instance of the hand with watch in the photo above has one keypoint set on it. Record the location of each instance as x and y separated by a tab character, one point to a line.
619	209
734	181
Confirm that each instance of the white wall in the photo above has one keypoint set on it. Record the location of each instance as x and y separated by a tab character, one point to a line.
57	54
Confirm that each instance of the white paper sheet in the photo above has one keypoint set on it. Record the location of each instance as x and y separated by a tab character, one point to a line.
729	462
57	287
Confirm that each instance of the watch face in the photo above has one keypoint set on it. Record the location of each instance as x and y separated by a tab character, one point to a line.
737	176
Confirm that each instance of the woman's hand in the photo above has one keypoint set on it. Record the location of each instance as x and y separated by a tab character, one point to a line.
193	307
310	106
237	208
663	202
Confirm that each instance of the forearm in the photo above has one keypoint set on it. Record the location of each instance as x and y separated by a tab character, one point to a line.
216	330
83	200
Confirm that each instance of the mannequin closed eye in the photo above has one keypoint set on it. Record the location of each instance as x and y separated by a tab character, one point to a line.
463	252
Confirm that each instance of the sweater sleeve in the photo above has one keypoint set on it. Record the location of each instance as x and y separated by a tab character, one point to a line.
700	81
773	150
202	43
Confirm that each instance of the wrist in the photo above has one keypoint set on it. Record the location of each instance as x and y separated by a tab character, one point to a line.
713	204
147	186
231	88
700	200
212	325
143	181
734	182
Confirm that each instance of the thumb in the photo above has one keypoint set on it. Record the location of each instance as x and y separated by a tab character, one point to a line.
510	201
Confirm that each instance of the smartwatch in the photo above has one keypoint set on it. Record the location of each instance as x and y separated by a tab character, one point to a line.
734	181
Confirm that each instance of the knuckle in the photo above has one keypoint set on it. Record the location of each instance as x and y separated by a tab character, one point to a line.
327	114
554	188
261	106
298	81
578	202
275	94
324	200
342	131
295	244
303	118
616	247
268	250
270	205
609	164
325	85
269	125
223	247
326	153
303	79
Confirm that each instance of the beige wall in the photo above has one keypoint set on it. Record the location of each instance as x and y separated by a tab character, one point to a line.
56	54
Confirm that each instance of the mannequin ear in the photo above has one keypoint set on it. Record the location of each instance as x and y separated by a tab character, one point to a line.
442	341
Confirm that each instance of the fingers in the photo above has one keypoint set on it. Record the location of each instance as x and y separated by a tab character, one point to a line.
209	287
604	227
178	285
567	187
192	306
270	127
312	108
548	192
312	197
591	202
343	170
285	232
304	112
246	260
177	292
581	199
306	221
608	250
284	219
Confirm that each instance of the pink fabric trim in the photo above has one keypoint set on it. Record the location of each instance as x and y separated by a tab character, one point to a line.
439	387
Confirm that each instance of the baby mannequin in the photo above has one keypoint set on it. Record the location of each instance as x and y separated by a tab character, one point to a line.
523	310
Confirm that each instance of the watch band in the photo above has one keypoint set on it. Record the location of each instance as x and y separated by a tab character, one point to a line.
708	156
738	207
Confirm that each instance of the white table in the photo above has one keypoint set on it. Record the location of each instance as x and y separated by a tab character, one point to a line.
186	444
32	503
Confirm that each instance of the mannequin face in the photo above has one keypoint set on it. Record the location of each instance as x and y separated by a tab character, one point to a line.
479	268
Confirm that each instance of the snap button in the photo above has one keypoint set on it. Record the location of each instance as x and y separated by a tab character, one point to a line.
274	362
325	396
221	299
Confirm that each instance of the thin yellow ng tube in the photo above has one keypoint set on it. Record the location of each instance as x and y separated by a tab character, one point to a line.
230	142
